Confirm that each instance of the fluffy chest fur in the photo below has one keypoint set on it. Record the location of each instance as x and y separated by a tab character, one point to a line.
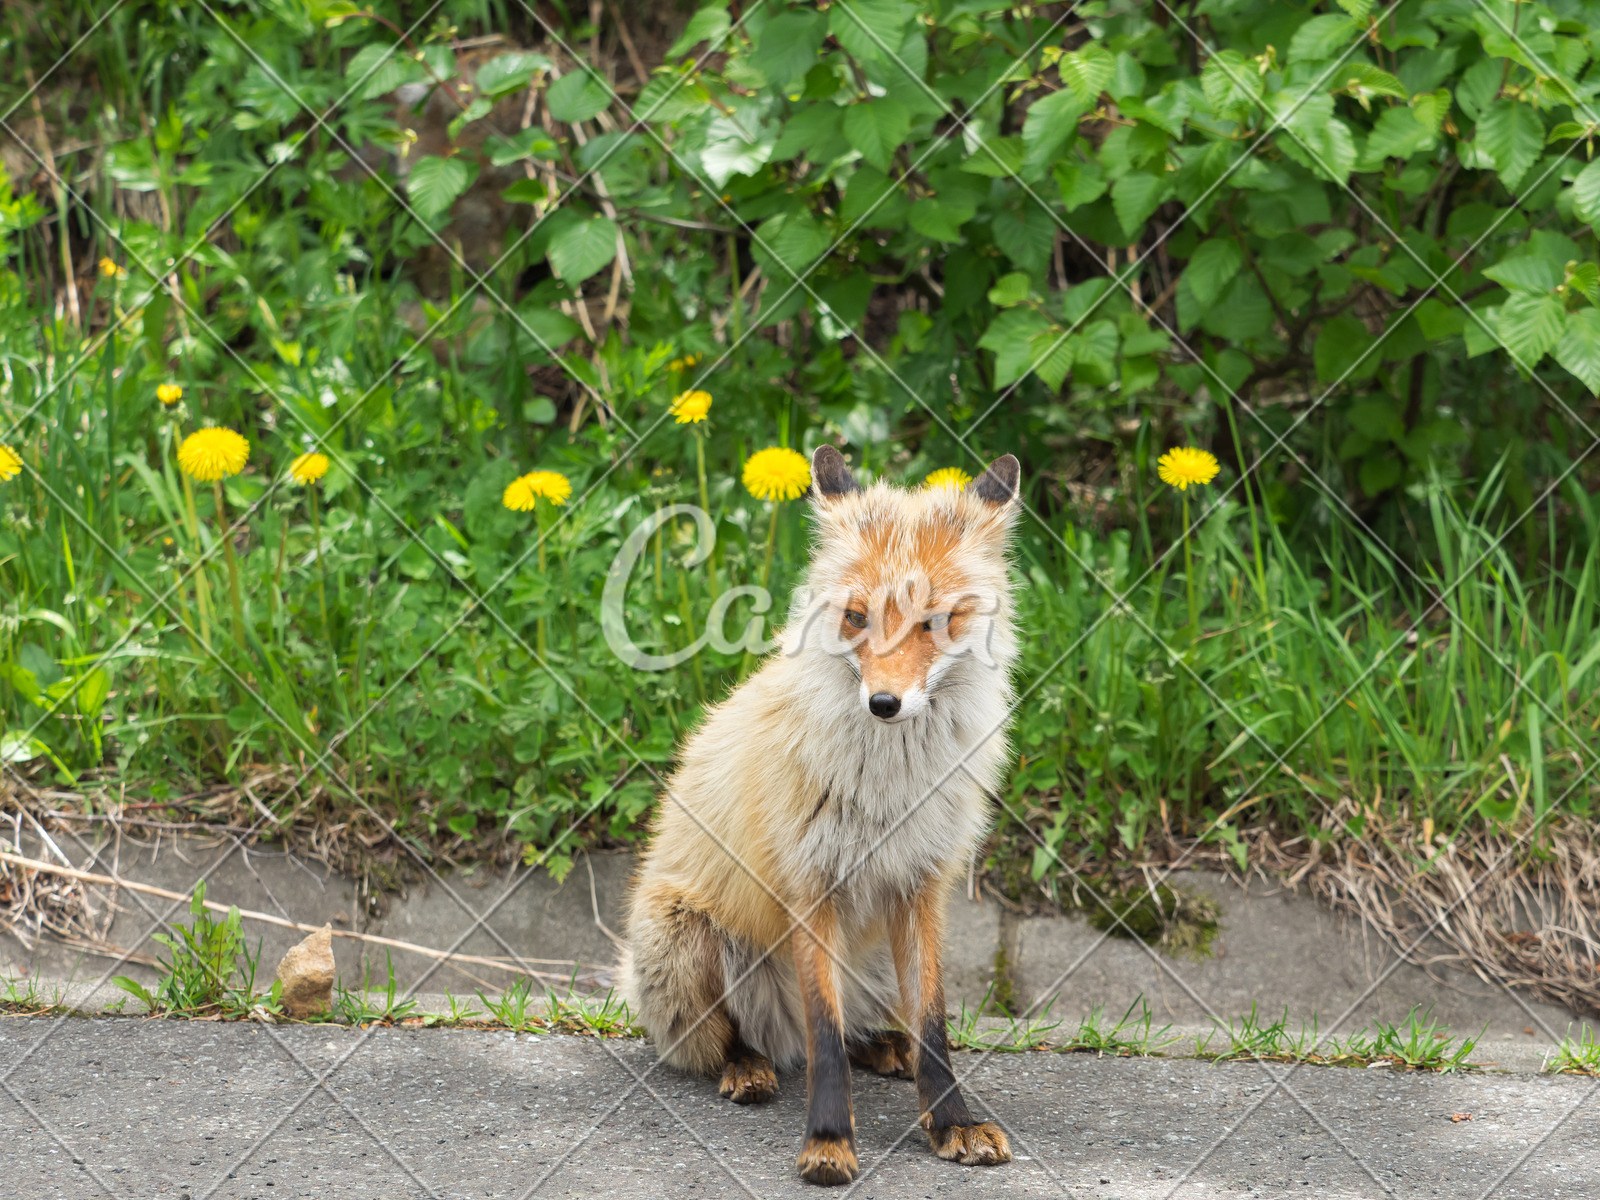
886	806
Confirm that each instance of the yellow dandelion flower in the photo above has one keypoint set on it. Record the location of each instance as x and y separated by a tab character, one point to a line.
953	477
109	268
1185	465
309	467
10	463
169	394
213	453
777	474
691	407
522	493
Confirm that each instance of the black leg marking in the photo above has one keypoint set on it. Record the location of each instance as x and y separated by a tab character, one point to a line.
937	1094
828	1082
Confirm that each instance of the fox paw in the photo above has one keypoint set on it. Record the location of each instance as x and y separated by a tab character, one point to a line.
748	1080
980	1145
827	1161
888	1053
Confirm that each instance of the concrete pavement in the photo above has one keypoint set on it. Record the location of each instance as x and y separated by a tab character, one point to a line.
181	1109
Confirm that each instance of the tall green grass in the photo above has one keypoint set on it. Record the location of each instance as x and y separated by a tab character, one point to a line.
361	660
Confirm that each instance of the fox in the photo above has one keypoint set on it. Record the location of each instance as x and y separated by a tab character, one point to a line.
790	905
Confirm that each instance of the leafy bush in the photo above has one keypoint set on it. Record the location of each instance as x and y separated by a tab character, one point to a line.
1348	247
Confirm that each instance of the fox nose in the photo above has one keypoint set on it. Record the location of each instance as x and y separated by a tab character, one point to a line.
883	704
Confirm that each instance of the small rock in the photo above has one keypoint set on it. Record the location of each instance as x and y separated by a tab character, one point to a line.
306	973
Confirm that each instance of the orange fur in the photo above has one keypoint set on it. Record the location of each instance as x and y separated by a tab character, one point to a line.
795	883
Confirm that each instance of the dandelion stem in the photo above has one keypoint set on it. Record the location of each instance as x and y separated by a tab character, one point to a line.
772	538
1188	573
539	627
322	570
202	590
235	596
705	503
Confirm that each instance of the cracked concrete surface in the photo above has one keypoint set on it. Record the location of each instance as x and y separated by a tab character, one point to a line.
197	1109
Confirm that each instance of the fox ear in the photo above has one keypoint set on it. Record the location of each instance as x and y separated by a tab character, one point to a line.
998	484
830	474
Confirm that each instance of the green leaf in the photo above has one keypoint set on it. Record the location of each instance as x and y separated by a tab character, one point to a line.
1439	320
876	128
577	96
874	199
1010	289
1398	134
1579	348
92	689
18	747
937	220
1314	137
477	109
866	28
507	73
1080	183
788	246
1431	108
998	158
1526	273
1086	72
1359	9
1342	351
1051	123
1529	327
707	25
1052	354
1010	336
1211	267
531	142
435	182
1584	278
1512	135
1026	237
1327	36
671	97
1380	471
546	325
582	248
383	68
1478	331
1230	80
525	191
135	989
1134	197
735	145
1081	300
1095	350
1378	419
789	45
1586	194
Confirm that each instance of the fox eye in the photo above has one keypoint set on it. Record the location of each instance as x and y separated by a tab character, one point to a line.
937	621
856	619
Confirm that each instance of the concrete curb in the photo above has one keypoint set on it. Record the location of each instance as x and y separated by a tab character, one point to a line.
1274	950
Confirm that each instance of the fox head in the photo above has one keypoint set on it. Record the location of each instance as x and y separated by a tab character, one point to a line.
908	589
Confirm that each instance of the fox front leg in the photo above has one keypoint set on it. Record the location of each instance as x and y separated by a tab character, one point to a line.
829	1154
916	938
